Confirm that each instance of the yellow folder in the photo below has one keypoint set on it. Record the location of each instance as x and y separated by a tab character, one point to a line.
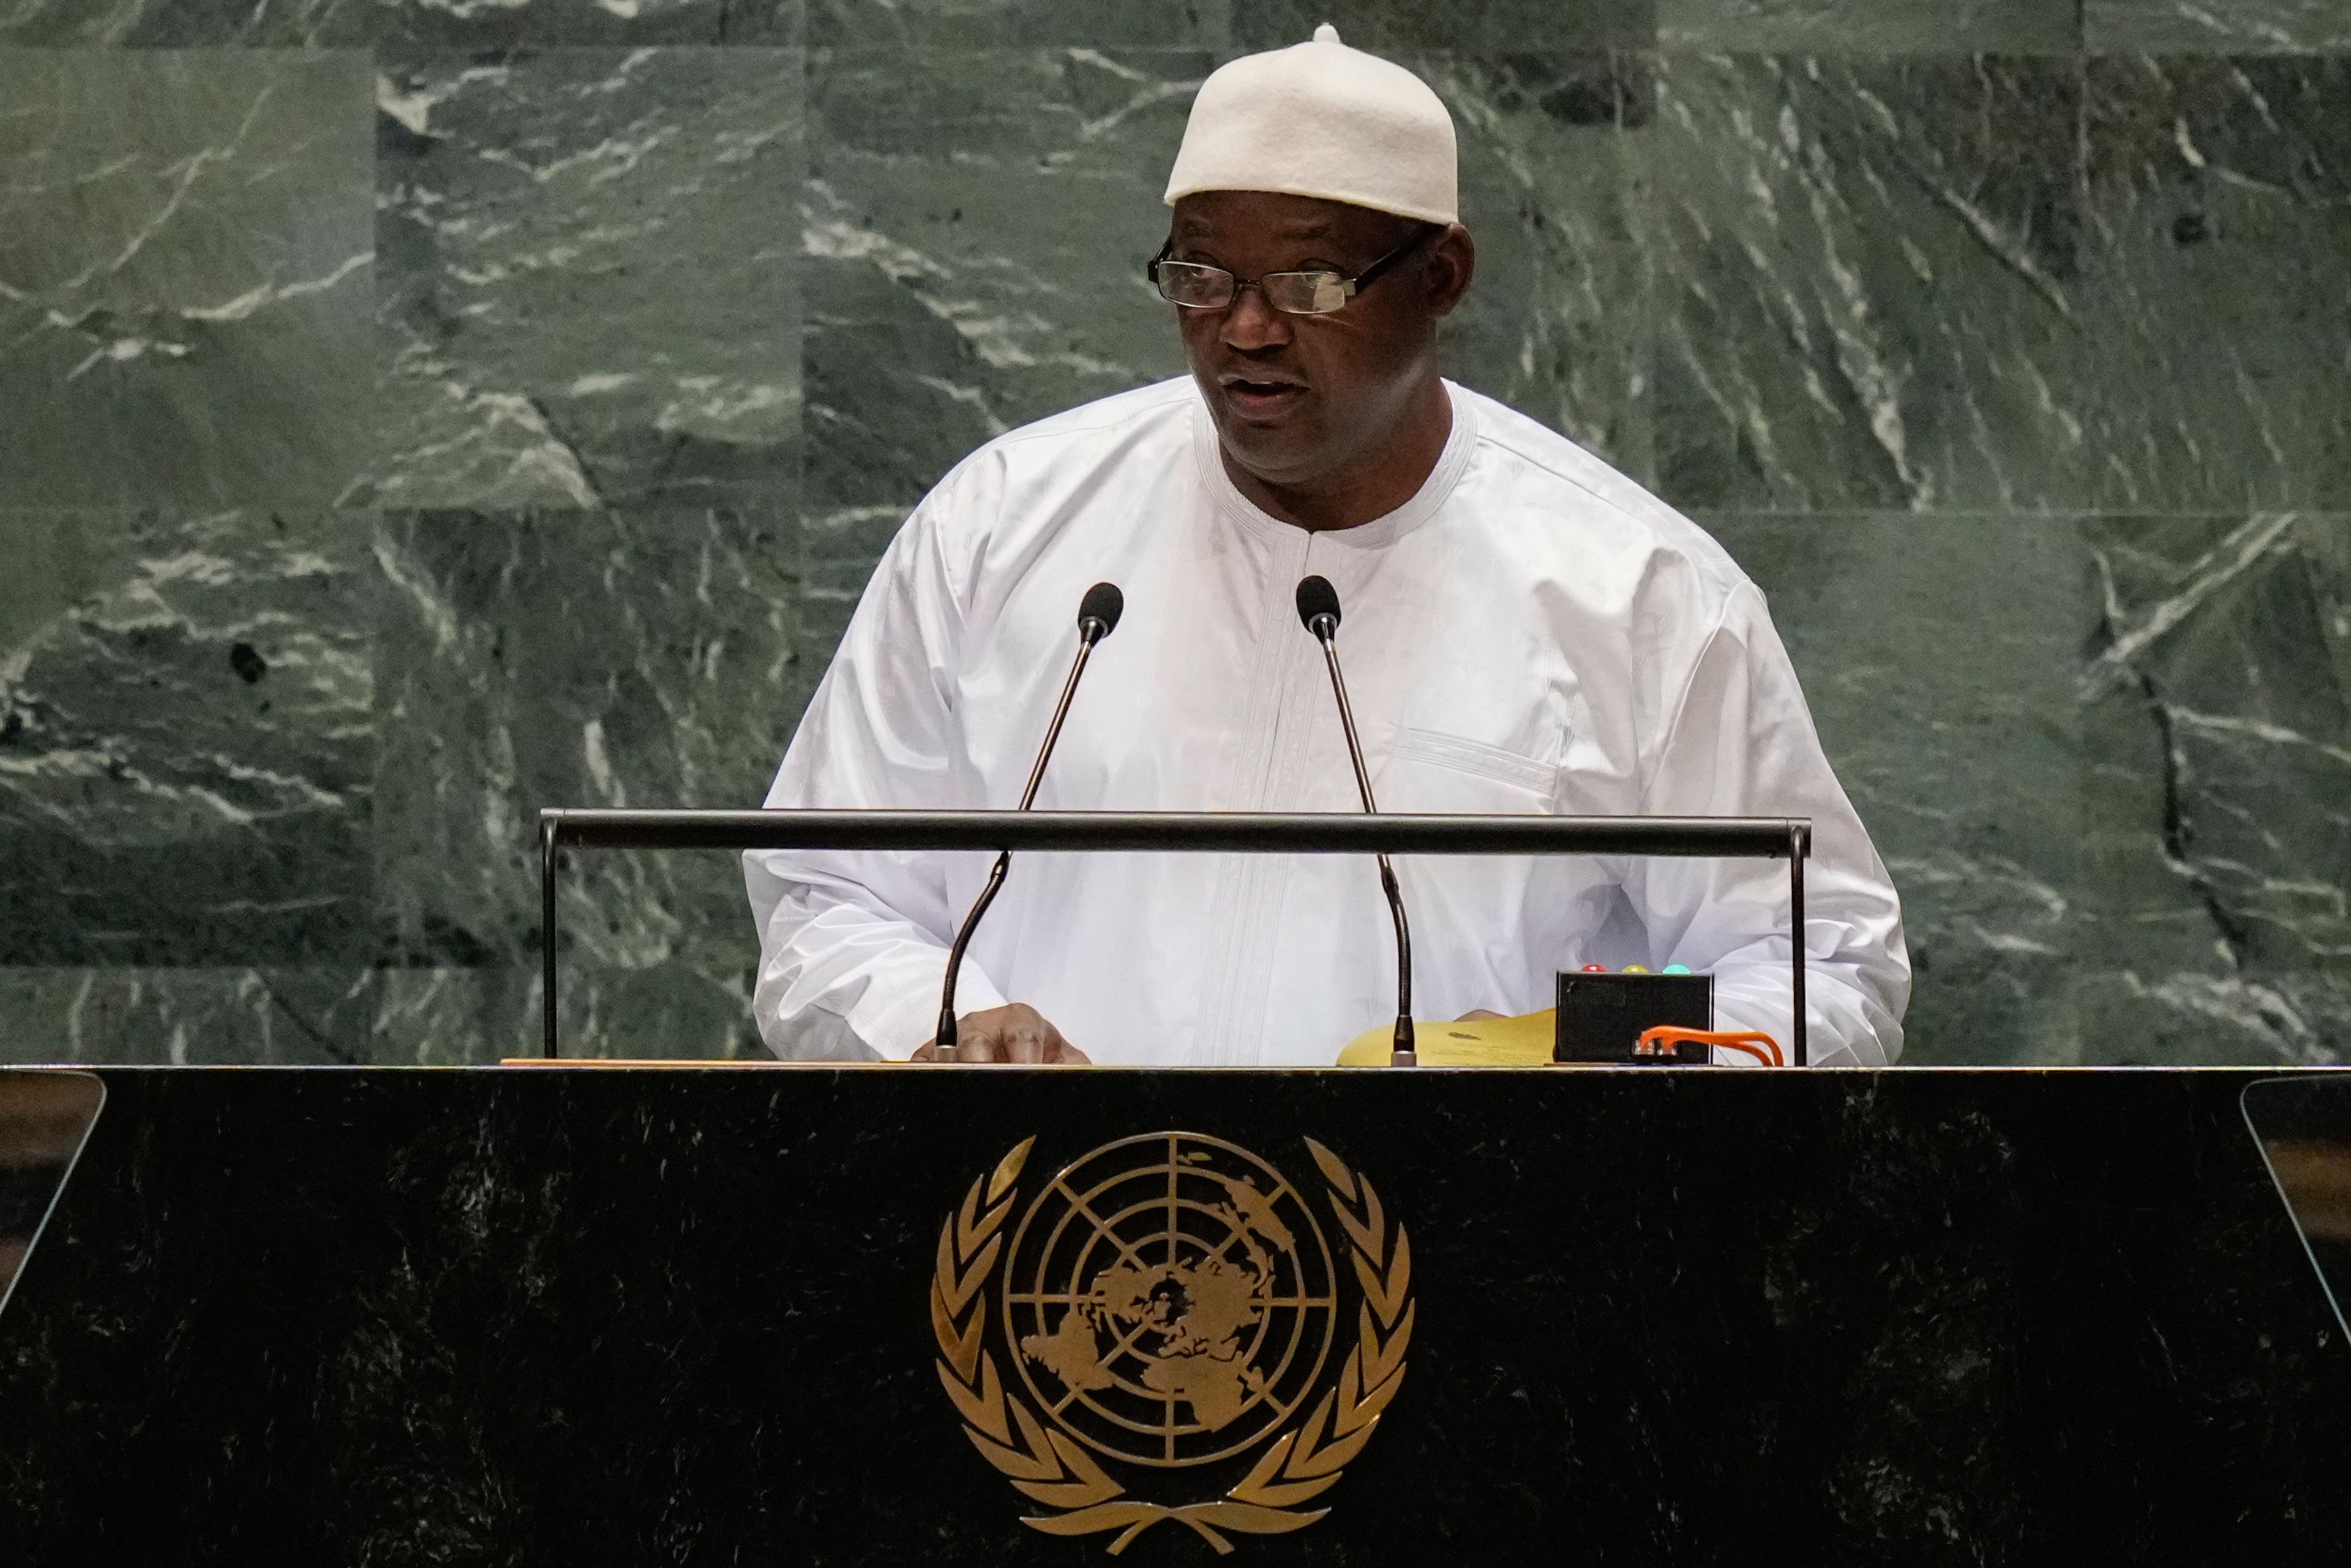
1521	1041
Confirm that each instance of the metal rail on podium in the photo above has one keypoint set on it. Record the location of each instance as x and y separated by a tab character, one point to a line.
1748	837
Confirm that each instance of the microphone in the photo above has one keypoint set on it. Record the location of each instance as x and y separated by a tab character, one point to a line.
1098	614
1318	610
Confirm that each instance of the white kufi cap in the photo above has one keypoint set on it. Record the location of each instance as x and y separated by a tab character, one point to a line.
1322	120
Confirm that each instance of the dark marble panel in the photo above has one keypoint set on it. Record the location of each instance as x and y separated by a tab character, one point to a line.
2220	197
1554	185
185	24
690	1001
1380	25
1869	284
630	658
1017	24
1872	26
528	24
979	224
2218	722
1940	658
503	24
184	260
226	1017
1480	26
385	1015
589	290
186	739
2216	26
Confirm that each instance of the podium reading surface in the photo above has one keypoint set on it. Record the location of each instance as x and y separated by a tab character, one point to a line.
885	1315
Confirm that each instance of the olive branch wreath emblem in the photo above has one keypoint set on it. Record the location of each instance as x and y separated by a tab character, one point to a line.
1052	1468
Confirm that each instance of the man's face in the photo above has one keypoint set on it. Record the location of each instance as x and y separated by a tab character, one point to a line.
1298	399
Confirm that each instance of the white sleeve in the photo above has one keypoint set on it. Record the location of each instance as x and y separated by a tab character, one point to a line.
852	945
1740	742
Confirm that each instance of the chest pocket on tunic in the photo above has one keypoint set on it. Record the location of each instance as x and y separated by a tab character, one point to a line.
1431	771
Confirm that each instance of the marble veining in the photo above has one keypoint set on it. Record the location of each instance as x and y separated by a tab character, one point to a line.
2216	26
1967	767
1873	294
184	261
1492	27
198	1017
438	24
623	658
539	347
2218	720
521	25
1872	27
187	743
186	24
1557	325
2218	193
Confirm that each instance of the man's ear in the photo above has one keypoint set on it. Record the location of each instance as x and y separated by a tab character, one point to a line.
1452	263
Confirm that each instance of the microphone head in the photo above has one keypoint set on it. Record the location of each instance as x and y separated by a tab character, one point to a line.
1102	604
1316	598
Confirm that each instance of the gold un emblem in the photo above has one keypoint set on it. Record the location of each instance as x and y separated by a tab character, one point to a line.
1168	1303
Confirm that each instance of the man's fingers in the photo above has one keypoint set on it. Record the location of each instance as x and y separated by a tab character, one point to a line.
971	1045
1016	1033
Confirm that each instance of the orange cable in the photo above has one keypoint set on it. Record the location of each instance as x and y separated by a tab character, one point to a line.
1759	1046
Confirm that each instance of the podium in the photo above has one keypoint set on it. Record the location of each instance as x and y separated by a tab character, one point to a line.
814	1314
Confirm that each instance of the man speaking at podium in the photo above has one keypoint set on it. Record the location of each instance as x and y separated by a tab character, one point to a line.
1525	631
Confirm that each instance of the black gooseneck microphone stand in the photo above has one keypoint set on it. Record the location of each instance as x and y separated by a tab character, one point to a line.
1318	609
1098	615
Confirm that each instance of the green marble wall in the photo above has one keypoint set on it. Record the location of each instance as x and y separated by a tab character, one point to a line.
415	413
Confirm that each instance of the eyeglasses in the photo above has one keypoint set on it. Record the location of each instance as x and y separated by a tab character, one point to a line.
1197	287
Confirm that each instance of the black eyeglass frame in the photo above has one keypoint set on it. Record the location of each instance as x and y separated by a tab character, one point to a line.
1348	286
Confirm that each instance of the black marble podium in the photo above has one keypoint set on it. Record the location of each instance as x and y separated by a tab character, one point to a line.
582	1315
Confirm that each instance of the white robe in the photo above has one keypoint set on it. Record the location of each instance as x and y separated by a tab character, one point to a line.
1531	632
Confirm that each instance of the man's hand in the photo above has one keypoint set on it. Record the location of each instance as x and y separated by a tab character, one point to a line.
1016	1033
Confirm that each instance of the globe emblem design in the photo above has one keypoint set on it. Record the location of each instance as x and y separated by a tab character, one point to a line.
1169	1300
